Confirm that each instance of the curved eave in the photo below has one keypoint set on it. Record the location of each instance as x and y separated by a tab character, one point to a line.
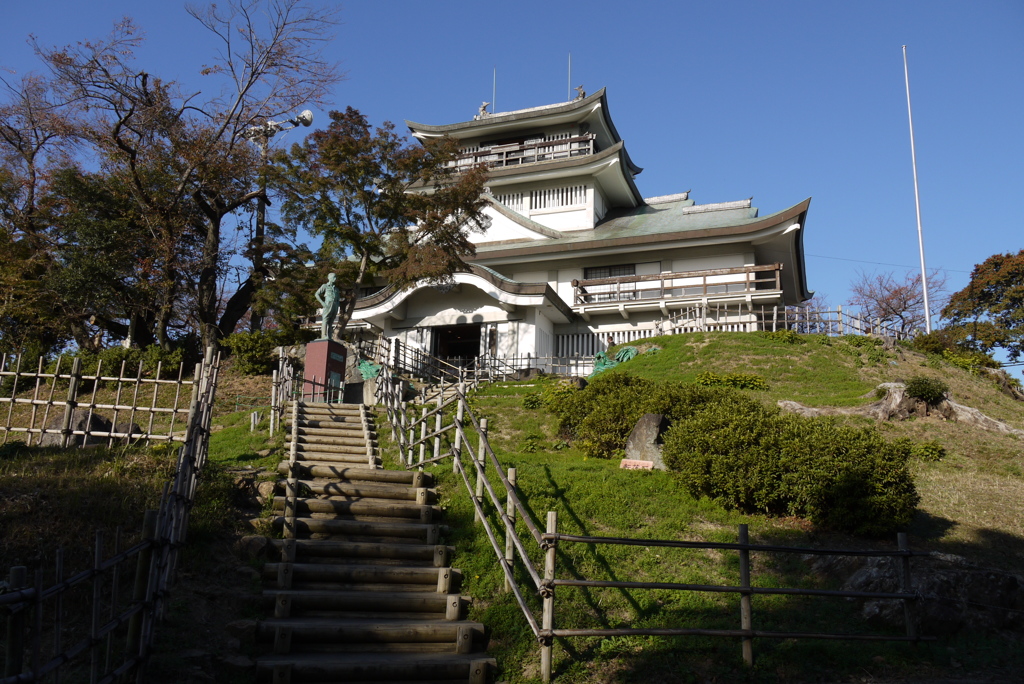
508	121
598	164
507	292
575	111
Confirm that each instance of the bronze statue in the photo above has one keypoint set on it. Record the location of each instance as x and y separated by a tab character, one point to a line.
329	299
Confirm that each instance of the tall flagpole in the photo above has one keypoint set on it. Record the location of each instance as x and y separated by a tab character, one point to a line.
917	200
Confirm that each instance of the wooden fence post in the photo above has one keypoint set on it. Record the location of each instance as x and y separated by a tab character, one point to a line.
510	513
15	646
69	407
905	586
142	572
746	618
481	467
548	592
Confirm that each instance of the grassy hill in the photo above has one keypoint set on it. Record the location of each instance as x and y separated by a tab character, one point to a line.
972	505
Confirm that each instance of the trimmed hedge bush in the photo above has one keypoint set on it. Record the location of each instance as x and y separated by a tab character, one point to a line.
600	417
845	478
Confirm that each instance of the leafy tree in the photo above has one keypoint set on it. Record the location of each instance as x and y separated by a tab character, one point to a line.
989	312
183	158
898	302
382	205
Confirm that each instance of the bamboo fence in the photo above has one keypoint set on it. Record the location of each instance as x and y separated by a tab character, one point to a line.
39	405
123	595
440	432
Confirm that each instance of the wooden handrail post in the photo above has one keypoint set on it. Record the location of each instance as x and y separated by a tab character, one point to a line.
15	646
423	435
746	618
548	592
481	466
460	414
510	513
905	586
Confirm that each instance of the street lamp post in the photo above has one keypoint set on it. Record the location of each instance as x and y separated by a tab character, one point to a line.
262	133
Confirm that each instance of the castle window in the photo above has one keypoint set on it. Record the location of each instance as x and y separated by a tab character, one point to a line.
596	272
551	198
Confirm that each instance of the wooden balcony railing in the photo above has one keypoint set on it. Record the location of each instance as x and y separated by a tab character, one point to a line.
528	153
678	284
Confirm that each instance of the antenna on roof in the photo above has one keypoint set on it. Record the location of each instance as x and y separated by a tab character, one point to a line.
494	91
568	86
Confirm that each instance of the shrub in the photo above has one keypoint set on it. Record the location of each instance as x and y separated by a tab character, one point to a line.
759	460
863	341
601	416
555	396
253	351
928	451
928	390
968	360
532	401
786	336
750	381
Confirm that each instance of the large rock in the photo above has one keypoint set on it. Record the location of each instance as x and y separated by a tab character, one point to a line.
644	442
80	421
952	594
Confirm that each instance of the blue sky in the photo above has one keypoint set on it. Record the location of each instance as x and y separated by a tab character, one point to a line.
731	99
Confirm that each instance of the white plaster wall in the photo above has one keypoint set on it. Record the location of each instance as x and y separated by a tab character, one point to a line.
564	219
503	228
463	304
530	276
709	262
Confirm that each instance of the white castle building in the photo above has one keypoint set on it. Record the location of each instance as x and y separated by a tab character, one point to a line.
575	257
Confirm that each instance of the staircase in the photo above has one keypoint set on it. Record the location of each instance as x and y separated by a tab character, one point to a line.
361	591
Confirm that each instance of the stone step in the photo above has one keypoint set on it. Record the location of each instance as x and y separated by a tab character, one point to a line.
310	551
470	668
366	531
364	473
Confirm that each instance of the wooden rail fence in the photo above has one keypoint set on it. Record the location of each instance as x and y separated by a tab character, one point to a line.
124	594
498	508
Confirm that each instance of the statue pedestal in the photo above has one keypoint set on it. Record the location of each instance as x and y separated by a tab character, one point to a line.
325	371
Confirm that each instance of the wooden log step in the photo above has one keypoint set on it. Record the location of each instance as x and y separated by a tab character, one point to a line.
433	578
325	420
354	490
419	603
365	473
330	440
354	668
374	507
327	630
339	430
343	454
308	551
363	531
